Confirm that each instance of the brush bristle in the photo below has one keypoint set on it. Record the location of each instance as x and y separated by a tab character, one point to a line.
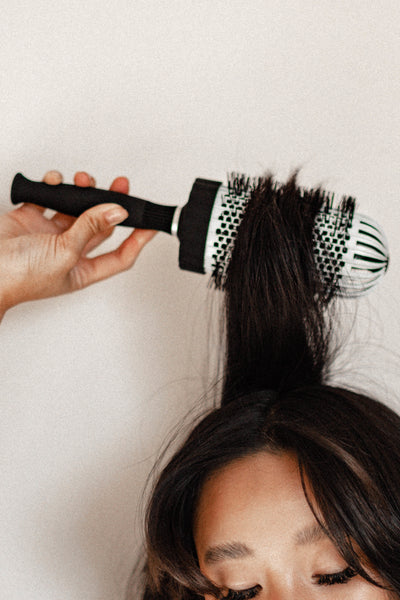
226	219
266	193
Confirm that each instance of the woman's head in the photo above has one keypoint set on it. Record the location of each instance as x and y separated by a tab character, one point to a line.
256	536
327	455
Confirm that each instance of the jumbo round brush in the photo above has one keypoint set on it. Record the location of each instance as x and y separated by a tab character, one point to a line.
350	249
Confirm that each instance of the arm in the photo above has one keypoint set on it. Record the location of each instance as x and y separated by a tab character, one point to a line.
42	257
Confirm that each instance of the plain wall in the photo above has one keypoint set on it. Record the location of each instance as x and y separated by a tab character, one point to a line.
165	92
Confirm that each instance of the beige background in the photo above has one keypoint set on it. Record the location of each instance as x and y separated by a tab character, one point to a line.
165	92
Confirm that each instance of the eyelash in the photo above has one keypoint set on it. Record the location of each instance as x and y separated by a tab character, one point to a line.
342	577
329	579
243	594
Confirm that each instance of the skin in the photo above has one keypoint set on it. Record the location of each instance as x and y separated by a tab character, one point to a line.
42	257
259	501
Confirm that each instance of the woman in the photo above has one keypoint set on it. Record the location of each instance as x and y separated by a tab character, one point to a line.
291	488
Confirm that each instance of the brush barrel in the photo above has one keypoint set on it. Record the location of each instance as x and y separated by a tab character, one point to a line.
74	200
359	255
354	254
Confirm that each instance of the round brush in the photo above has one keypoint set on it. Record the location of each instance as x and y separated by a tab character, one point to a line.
350	249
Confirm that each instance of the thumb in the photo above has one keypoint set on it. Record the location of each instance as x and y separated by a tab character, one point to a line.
91	222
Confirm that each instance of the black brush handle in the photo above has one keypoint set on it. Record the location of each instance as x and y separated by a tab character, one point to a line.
74	200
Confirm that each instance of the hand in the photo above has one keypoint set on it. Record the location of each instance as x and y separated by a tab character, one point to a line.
42	257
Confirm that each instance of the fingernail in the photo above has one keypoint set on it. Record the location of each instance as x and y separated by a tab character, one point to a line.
116	215
53	178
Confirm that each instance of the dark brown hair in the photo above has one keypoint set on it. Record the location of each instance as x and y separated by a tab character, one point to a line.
279	311
348	451
276	397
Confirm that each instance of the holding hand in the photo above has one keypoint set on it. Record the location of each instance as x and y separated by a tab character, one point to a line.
42	257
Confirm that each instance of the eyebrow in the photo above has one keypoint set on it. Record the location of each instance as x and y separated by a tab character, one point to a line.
234	550
229	551
310	535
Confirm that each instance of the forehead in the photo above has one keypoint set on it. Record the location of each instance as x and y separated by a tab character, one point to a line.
260	496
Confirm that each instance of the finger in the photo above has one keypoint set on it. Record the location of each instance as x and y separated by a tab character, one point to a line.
53	178
97	240
90	223
32	220
62	221
101	267
39	210
121	185
83	179
138	240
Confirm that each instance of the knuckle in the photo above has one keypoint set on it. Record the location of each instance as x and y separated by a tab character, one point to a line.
78	279
92	223
126	258
67	250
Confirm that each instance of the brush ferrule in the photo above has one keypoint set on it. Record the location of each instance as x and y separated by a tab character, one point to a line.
175	221
194	224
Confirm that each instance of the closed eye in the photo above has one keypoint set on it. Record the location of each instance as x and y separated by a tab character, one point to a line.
341	577
242	594
335	578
